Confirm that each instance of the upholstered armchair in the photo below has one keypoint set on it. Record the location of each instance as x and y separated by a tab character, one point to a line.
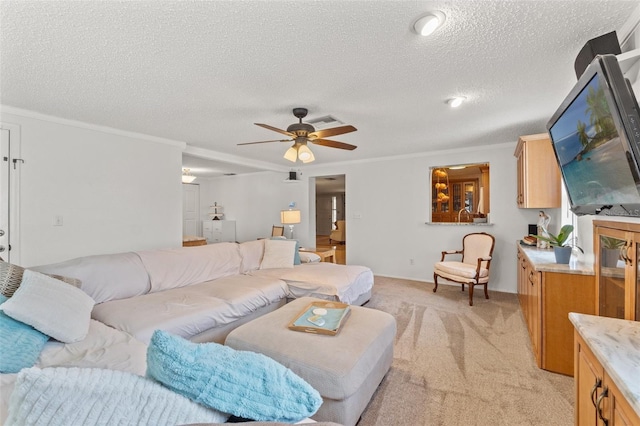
338	234
473	268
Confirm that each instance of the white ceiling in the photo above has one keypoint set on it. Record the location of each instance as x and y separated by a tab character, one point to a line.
203	72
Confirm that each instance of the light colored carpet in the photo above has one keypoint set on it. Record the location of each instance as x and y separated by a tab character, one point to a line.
460	365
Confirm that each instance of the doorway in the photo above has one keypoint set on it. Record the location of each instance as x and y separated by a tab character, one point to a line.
330	207
191	210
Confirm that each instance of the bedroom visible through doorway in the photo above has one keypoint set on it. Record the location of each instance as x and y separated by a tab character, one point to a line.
330	208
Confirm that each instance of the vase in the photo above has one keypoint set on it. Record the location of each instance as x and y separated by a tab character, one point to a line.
563	254
610	257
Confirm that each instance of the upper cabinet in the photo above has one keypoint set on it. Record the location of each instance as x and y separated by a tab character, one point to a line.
617	248
538	173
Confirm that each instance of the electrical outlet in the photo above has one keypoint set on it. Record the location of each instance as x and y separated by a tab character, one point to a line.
57	220
411	262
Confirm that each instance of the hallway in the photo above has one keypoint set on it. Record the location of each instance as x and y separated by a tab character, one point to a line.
322	242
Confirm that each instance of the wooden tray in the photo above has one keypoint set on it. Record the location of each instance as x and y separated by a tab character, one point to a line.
335	317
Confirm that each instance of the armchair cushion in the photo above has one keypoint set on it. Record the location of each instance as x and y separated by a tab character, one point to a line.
460	269
338	234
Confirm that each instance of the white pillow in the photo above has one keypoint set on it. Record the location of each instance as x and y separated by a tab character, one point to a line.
278	254
306	257
51	306
251	252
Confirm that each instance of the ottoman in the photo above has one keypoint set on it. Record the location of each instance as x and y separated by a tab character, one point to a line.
346	368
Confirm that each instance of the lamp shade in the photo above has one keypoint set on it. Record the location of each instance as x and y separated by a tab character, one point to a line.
291	154
299	151
289	217
305	155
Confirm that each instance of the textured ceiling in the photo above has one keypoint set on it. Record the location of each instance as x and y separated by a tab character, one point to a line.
203	72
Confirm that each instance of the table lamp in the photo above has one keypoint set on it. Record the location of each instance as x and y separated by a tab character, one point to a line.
290	217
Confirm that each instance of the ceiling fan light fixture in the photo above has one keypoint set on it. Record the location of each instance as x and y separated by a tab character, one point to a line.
428	23
305	155
291	154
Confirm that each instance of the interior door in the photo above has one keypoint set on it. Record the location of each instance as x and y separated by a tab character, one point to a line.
323	215
4	195
191	209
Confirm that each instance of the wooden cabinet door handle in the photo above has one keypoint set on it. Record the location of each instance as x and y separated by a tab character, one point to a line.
595	387
603	395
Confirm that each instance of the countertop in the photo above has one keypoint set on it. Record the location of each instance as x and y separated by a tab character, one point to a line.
616	345
543	260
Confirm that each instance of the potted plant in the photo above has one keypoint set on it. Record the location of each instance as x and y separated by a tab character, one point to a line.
610	250
560	243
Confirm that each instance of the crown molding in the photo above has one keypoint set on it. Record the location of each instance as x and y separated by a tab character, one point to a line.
233	159
5	109
482	148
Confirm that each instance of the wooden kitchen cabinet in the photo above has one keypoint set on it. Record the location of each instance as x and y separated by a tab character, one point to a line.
598	401
588	376
547	293
617	278
538	173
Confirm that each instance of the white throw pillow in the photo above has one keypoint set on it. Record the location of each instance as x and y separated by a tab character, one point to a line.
278	254
251	252
306	257
51	306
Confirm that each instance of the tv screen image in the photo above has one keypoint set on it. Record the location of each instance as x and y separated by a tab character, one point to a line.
590	134
591	153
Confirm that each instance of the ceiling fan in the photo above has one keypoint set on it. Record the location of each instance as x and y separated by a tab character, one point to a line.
302	133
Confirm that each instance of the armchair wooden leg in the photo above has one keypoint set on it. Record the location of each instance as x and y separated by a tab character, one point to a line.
471	294
435	280
463	287
486	293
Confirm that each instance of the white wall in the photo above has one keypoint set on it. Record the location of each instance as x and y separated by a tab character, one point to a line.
115	192
392	198
255	200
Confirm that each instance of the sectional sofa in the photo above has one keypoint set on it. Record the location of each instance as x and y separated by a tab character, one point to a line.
202	293
199	293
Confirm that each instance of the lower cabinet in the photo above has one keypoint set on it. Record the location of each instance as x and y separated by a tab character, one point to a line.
546	298
219	231
598	399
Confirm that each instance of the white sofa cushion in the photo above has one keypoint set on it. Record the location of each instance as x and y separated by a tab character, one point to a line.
104	277
251	252
191	310
278	254
306	257
173	268
324	280
52	307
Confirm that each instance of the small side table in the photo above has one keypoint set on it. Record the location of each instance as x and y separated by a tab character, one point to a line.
326	255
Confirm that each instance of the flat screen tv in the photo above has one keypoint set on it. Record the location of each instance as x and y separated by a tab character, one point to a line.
595	135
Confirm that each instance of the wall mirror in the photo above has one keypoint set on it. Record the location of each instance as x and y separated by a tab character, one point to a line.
460	193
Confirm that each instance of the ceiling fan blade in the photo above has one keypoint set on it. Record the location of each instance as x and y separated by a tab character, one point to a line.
335	131
275	140
333	144
275	129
